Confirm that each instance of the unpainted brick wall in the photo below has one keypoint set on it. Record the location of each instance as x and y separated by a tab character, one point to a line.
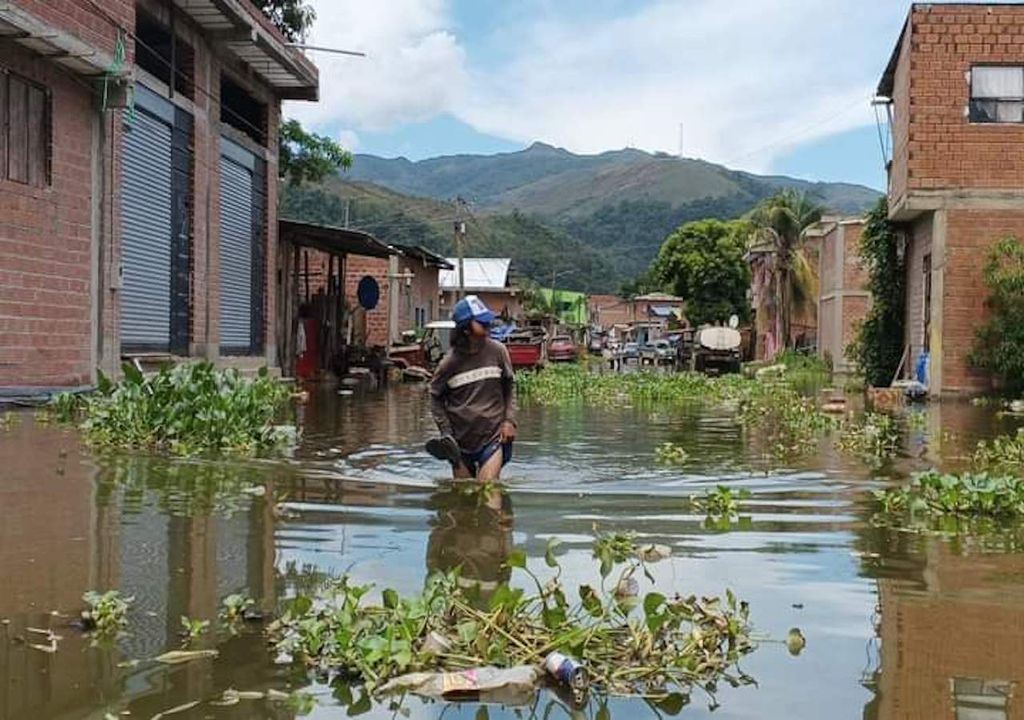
942	149
46	245
357	267
970	235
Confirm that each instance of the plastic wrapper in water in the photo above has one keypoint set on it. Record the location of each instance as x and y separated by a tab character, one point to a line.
507	686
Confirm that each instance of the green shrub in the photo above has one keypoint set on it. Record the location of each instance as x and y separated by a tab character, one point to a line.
878	346
188	409
999	347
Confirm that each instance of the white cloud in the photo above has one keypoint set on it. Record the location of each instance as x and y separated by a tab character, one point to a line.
349	139
413	70
748	80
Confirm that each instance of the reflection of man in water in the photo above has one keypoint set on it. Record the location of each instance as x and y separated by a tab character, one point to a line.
472	531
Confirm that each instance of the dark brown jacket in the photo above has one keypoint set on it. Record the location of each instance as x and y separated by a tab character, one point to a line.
473	392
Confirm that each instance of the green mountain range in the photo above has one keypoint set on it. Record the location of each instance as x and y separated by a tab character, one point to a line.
549	209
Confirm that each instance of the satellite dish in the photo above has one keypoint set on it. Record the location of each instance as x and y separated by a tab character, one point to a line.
734	322
368	292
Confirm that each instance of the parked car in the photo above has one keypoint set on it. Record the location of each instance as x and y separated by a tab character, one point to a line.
630	351
658	352
562	348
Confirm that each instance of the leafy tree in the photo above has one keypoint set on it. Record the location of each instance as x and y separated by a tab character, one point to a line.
292	17
785	278
703	262
878	346
308	157
999	347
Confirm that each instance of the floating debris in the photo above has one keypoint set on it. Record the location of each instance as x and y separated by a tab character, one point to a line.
631	644
177	657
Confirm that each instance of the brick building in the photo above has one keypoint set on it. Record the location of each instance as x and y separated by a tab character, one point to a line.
844	300
139	190
955	83
417	295
490	279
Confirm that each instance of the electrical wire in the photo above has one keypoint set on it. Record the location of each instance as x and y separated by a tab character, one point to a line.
789	139
103	13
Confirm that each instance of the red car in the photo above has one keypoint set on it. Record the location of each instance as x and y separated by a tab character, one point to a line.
562	348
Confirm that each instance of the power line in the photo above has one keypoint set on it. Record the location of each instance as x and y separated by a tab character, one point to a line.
103	13
798	134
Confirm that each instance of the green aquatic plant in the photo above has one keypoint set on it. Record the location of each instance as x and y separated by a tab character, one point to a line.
671	454
1004	453
187	409
792	423
631	643
933	495
193	628
721	503
106	613
234	607
874	437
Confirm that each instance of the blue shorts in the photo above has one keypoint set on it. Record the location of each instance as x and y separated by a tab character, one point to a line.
478	458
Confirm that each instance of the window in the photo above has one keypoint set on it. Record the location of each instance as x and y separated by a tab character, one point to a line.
242	111
24	131
997	94
162	54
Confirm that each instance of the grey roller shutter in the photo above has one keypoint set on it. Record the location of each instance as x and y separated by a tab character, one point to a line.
146	231
236	243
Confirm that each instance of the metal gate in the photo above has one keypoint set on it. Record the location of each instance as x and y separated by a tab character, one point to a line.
146	235
242	281
235	256
156	227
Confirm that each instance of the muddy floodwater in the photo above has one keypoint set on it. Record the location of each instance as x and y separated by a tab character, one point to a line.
897	625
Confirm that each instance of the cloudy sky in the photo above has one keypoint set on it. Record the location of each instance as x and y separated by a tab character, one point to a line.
763	85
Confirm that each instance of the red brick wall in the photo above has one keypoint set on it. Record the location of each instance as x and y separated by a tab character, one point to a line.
943	149
356	267
855	276
970	234
46	246
900	125
81	19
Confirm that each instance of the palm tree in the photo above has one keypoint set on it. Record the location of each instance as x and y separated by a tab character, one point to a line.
784	279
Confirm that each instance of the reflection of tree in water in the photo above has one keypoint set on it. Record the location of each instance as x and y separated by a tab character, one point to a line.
473	532
186	489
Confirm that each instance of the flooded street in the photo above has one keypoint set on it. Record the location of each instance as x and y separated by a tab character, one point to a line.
897	625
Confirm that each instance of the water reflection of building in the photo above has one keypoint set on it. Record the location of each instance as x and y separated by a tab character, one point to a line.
177	537
952	637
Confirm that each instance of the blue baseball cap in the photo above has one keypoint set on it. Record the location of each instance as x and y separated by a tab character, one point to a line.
471	308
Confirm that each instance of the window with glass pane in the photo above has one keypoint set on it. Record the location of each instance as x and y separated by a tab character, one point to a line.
997	94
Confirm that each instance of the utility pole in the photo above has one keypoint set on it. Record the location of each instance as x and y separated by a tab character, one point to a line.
460	237
346	213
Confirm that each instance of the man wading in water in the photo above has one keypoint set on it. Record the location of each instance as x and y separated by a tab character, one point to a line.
473	397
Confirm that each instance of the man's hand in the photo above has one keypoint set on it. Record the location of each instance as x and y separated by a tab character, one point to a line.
508	431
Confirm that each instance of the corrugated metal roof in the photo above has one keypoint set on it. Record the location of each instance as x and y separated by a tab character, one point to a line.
481	274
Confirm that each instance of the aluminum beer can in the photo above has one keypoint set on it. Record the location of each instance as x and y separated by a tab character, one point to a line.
567	671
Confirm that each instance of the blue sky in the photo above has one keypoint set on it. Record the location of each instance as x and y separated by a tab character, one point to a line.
769	86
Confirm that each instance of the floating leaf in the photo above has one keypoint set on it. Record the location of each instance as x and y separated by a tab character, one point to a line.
390	599
517	558
549	555
176	657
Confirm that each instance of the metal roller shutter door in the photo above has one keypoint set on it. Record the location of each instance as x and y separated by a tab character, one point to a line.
146	235
236	241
